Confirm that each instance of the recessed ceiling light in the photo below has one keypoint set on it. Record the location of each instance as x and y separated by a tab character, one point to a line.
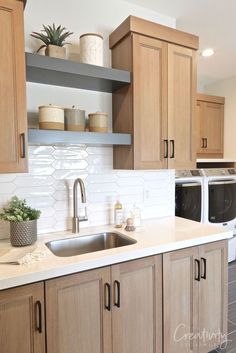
208	52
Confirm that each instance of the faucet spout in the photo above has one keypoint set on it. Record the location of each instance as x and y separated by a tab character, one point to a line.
76	219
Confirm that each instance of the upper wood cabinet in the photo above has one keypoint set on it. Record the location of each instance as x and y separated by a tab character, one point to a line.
114	309
13	124
22	319
158	108
195	315
210	130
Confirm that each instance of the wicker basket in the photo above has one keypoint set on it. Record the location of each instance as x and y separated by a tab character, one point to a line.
23	233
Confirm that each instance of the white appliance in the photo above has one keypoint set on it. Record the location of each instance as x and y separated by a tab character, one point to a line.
220	202
189	194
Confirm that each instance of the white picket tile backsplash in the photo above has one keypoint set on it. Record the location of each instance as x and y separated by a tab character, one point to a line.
49	184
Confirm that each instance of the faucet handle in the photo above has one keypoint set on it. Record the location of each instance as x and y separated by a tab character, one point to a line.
85	217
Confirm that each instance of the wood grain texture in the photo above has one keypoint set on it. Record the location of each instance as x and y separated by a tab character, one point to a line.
151	29
209	98
213	298
182	106
18	320
180	301
12	89
76	318
137	324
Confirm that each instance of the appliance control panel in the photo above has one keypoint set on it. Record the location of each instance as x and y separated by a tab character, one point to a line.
187	173
219	172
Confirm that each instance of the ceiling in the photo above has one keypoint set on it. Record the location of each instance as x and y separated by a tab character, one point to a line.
214	22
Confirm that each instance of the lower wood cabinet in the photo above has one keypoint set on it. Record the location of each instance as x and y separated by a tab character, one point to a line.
114	309
195	298
22	328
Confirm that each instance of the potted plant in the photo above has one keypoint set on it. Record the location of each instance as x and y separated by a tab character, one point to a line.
23	222
54	39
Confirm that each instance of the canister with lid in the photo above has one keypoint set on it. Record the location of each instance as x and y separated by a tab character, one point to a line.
51	117
91	49
98	122
74	119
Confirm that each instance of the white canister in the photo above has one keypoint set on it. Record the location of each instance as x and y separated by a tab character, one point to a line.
91	49
51	117
98	122
74	119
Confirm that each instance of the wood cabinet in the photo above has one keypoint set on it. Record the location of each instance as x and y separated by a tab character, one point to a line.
158	108
195	315
114	309
210	120
22	319
13	122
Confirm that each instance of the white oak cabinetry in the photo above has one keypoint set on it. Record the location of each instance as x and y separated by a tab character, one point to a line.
195	298
158	107
210	122
13	118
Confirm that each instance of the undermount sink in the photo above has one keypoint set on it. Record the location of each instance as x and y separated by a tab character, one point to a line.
88	243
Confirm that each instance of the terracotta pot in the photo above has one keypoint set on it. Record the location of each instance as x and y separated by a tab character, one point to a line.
55	51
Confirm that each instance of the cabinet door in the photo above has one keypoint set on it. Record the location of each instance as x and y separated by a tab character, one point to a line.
76	317
180	301
181	107
213	296
200	132
149	103
12	88
213	128
22	319
137	306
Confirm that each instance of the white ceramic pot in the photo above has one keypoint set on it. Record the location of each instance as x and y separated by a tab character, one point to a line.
91	49
98	122
74	119
51	117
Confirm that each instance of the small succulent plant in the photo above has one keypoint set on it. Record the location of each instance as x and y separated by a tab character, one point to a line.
18	211
52	35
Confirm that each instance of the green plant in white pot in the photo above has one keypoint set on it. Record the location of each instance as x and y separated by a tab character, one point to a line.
23	222
54	39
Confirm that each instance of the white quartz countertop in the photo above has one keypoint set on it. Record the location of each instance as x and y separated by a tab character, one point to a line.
155	236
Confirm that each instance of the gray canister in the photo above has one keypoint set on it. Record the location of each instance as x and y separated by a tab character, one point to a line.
75	119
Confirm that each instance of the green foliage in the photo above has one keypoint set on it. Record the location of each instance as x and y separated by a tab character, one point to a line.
18	211
52	35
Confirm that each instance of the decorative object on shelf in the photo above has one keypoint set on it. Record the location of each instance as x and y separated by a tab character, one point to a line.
75	119
54	39
51	117
98	122
130	225
23	222
91	49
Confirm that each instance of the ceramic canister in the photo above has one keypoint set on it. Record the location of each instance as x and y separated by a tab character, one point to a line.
51	117
98	122
74	119
91	49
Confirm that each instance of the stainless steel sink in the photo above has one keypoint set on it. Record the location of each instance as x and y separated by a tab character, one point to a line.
88	243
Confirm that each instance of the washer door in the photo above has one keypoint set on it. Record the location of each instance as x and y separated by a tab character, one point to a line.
222	201
188	201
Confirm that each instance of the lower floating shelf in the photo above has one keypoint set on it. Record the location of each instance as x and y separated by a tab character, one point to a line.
55	137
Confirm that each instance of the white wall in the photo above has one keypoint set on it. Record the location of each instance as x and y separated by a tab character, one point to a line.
227	89
53	169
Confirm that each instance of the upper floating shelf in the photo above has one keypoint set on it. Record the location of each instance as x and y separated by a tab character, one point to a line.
67	73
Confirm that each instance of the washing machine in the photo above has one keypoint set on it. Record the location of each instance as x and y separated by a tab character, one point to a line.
189	185
220	202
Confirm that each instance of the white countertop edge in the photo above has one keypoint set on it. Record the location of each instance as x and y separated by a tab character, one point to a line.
107	260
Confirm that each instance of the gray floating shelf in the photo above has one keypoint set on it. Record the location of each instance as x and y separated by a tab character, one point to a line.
54	137
67	73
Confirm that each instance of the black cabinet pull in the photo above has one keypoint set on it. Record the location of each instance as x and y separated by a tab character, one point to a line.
166	149
22	148
107	296
197	270
38	308
206	142
117	294
203	143
203	266
172	142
